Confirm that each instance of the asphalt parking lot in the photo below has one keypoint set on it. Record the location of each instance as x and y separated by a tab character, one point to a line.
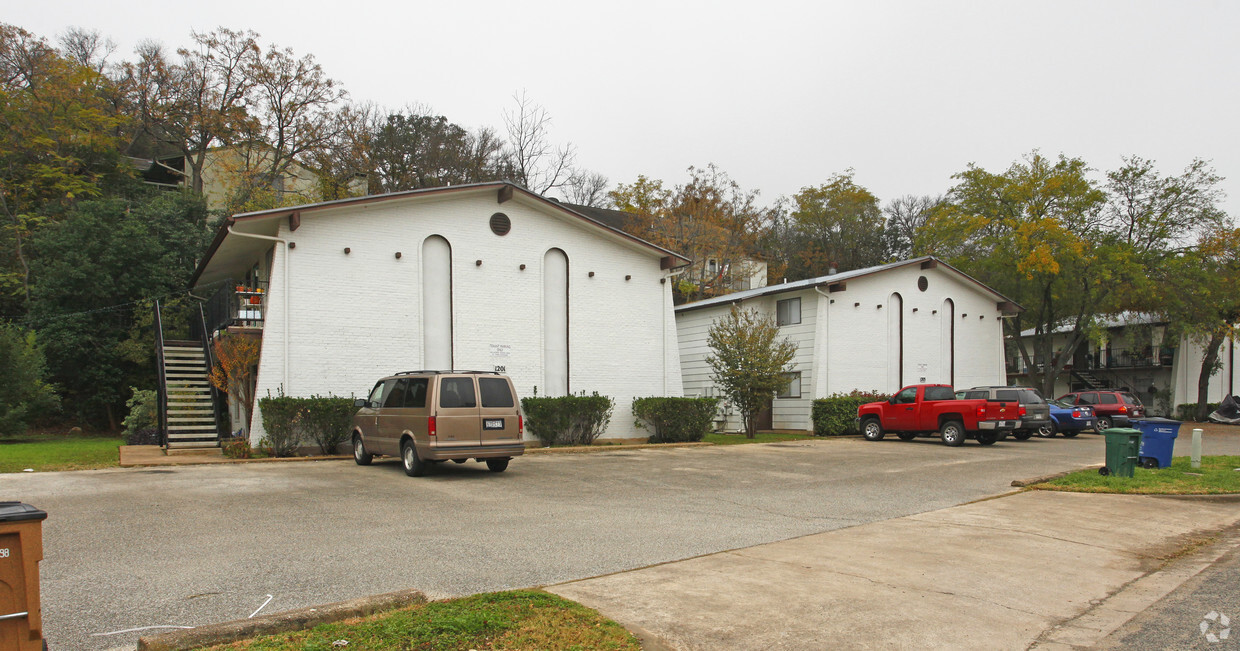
192	545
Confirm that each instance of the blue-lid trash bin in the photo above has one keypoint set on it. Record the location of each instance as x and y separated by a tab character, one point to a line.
1157	441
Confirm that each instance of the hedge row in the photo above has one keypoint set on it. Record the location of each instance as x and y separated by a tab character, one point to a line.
837	414
675	420
290	422
567	420
1188	410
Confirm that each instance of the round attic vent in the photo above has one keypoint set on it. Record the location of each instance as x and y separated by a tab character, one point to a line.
922	283
500	224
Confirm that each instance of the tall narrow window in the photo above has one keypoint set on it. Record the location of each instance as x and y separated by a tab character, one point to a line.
436	303
788	312
895	342
555	323
947	341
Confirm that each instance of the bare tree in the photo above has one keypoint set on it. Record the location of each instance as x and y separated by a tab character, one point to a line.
587	189
87	48
536	163
905	217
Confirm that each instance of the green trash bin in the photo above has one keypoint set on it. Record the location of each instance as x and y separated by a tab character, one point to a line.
1123	444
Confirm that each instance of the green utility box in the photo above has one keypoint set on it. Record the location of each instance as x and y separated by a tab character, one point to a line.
1123	445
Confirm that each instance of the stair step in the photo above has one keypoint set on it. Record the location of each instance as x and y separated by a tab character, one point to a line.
193	444
197	430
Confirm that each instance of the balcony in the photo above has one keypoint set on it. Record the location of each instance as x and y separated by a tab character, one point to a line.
236	305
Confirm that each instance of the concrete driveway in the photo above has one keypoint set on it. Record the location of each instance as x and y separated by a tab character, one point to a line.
193	545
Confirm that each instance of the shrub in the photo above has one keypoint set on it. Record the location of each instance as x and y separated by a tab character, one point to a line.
143	412
327	421
280	418
24	393
567	420
1188	410
837	415
237	448
674	420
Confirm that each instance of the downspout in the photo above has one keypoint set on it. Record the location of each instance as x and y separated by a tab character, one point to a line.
671	274
284	297
826	344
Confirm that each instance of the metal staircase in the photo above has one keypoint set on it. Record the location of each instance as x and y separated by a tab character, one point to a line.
1090	380
190	410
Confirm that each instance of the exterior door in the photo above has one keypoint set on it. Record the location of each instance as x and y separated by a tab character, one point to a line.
392	417
765	418
904	412
499	411
456	416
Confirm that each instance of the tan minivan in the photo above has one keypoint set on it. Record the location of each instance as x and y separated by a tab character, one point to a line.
430	416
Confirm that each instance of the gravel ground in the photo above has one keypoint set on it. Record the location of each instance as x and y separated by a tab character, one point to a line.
192	545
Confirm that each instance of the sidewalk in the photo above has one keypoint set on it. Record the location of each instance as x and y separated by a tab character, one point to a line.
995	574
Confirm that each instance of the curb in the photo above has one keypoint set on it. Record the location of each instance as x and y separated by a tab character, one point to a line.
1021	483
292	620
607	448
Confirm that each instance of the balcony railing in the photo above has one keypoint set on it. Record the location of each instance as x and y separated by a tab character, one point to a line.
236	305
1114	358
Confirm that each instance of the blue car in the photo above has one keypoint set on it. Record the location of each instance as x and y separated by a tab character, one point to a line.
1068	419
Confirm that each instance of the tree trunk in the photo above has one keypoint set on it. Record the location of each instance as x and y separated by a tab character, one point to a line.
1208	362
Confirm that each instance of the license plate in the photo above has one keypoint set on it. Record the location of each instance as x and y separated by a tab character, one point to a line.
1004	423
493	423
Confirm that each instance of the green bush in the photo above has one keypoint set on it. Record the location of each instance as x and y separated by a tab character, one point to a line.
837	414
1188	410
24	393
143	411
675	420
281	416
567	420
327	421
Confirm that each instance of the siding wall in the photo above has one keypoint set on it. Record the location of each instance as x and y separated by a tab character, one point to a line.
357	317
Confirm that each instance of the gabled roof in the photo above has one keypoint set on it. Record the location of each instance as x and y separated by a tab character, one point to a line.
1109	321
823	281
505	191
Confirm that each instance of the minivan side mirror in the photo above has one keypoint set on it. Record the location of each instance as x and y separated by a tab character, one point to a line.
361	402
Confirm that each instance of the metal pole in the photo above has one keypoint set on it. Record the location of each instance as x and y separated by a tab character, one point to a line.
1196	461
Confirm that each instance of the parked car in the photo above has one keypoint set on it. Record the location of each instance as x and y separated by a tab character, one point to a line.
430	416
923	409
1111	407
1037	413
1068	419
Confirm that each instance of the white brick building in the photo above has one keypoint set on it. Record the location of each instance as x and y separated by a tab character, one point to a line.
878	328
468	277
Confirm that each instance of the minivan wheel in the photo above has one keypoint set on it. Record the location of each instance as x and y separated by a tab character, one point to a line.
360	455
409	459
497	465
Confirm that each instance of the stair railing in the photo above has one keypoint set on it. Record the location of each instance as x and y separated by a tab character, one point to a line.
163	377
219	408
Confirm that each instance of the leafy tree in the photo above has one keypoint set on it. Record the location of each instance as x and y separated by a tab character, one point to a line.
93	270
1034	233
749	361
236	359
25	393
836	225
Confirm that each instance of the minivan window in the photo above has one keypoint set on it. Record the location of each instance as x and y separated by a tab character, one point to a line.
1007	395
1030	397
376	394
457	392
976	395
415	395
396	397
494	392
1108	398
939	393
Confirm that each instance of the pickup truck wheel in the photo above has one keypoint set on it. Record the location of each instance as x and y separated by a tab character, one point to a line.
987	438
872	430
1022	436
360	455
414	467
952	433
1103	424
907	436
1047	431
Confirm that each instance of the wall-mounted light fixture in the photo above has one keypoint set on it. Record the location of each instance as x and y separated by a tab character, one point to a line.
914	309
522	267
628	277
591	274
292	245
398	255
856	304
477	263
347	250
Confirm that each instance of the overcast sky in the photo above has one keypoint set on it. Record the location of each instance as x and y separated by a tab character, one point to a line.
780	95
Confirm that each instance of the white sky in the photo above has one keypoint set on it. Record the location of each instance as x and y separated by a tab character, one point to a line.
780	95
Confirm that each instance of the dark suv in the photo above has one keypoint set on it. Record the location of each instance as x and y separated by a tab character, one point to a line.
1113	408
1037	412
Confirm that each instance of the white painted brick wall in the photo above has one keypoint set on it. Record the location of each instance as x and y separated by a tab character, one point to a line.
843	346
356	317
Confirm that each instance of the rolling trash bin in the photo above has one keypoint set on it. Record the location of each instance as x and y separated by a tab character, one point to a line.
21	549
1123	445
1157	441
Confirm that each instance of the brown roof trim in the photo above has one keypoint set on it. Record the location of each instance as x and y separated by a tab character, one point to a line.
506	190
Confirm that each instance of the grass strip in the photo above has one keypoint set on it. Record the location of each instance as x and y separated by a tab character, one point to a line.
760	437
44	453
519	619
1217	475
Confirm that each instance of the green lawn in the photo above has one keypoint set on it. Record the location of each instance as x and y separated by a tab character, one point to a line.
522	619
1217	475
760	437
46	452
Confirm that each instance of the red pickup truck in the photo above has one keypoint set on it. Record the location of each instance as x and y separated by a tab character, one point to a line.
923	409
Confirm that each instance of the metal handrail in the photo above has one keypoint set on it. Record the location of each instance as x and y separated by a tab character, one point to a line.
218	408
163	378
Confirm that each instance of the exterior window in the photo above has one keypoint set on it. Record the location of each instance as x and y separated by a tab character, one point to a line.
495	392
1108	398
939	393
793	388
376	395
907	396
415	398
788	312
457	392
396	398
